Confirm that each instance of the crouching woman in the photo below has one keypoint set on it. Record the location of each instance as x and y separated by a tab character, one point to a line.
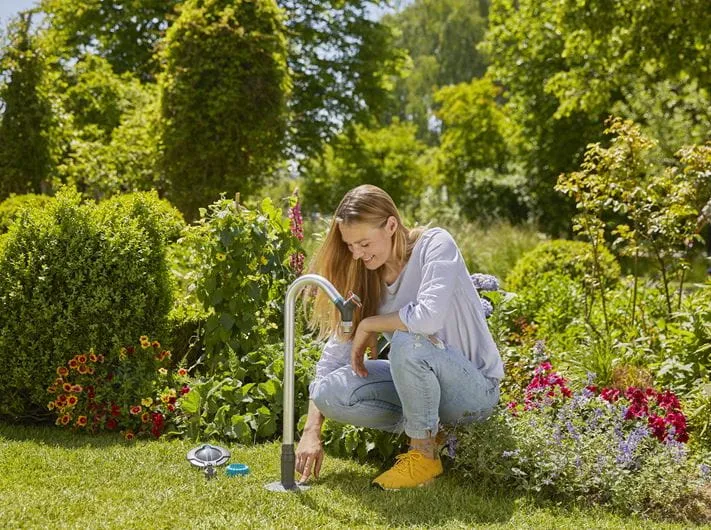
443	367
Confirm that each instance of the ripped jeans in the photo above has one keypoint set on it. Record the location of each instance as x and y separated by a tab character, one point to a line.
419	387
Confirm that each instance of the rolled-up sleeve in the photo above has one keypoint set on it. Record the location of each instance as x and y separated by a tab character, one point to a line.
335	355
441	267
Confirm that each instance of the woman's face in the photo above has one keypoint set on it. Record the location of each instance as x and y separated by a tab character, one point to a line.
371	244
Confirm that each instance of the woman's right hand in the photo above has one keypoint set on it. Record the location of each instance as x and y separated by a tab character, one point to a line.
309	455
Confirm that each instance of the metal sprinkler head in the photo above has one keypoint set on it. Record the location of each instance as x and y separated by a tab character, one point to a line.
208	457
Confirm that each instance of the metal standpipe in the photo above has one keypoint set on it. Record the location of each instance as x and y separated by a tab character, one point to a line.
288	459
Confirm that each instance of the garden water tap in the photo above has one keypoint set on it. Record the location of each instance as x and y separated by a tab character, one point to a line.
346	307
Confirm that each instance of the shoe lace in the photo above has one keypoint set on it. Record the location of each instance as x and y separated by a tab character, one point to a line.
405	463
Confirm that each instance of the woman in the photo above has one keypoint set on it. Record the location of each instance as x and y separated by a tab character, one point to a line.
443	365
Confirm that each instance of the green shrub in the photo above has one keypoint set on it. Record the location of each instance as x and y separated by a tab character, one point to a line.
245	402
243	274
11	207
75	277
490	196
571	258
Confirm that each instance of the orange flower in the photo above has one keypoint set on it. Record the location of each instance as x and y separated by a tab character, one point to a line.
83	369
81	359
62	371
145	417
129	435
72	400
66	419
92	357
67	387
155	344
77	389
182	372
81	421
136	409
73	363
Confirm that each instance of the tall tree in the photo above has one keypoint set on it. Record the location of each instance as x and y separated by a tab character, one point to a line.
441	39
125	32
342	65
26	119
223	99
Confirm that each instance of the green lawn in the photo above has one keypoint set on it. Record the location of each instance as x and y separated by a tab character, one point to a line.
50	478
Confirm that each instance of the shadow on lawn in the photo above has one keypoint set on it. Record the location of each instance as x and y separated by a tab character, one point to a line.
55	436
448	499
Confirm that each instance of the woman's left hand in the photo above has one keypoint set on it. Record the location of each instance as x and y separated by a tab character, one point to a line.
362	340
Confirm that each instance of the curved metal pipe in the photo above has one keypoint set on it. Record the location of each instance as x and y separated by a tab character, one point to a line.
346	308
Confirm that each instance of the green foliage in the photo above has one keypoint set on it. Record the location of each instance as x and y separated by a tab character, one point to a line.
13	206
26	119
441	38
223	99
365	444
648	208
245	402
388	157
125	33
73	277
488	196
474	130
243	276
342	64
568	258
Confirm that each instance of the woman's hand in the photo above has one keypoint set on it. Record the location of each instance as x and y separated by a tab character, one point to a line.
309	454
363	340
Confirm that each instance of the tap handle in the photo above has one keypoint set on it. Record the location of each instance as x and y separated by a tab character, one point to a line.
352	297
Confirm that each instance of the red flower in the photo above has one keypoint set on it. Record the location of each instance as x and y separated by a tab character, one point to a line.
81	359
592	388
182	372
136	409
67	387
658	426
111	424
171	407
184	390
668	401
73	363
130	350
72	400
62	371
610	394
158	422
115	410
81	421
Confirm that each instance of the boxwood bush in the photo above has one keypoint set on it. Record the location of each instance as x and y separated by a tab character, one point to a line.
571	258
11	207
76	276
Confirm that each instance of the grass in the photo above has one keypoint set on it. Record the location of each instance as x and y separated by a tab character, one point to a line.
52	478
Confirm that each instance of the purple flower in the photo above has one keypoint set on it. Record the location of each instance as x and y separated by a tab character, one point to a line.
539	348
509	454
485	282
704	470
488	307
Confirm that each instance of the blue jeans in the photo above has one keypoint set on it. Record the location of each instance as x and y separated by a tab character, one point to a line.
419	387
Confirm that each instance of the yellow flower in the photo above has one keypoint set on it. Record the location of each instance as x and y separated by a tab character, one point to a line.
145	344
146	402
221	256
162	371
144	338
51	405
264	260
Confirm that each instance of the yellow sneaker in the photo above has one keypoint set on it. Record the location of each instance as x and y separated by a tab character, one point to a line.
411	469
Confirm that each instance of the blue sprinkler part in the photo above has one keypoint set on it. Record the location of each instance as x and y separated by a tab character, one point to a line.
237	469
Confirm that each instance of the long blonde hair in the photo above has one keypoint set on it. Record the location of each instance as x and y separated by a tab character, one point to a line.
364	204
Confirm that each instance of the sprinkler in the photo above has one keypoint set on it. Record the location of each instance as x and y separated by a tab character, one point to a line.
346	308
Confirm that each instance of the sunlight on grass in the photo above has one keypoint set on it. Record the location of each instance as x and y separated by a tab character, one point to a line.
51	478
